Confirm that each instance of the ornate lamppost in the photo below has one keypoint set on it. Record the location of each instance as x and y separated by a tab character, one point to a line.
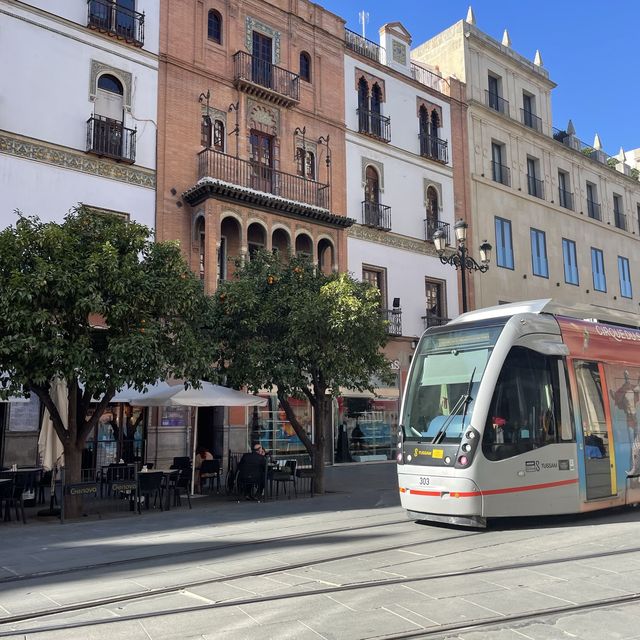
461	259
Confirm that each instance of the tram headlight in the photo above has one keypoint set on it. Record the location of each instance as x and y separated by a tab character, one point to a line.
466	447
463	461
399	458
470	435
447	460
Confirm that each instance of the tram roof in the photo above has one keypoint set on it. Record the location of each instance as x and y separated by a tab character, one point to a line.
550	306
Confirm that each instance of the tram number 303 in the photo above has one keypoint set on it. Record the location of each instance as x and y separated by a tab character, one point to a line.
424	481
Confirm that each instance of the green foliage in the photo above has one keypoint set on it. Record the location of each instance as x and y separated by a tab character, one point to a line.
635	173
612	162
57	280
283	322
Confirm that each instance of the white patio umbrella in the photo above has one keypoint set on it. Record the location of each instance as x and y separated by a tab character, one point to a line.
208	395
50	448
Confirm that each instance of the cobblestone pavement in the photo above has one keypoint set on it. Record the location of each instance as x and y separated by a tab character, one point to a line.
344	565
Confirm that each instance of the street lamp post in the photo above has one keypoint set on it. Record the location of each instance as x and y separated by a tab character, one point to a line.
461	259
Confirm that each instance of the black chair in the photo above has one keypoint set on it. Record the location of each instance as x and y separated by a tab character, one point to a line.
181	462
284	476
250	480
210	469
179	484
150	484
22	482
6	496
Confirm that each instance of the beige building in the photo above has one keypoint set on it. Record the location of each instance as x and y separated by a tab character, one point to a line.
563	217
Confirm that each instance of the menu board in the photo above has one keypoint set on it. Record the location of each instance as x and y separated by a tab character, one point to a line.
25	416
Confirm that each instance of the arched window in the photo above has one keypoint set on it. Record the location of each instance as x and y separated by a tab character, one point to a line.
206	131
305	66
435	123
110	83
376	101
423	119
218	135
372	186
214	26
363	105
432	212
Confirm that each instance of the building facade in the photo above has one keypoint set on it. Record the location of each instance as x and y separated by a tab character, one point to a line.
401	154
78	116
251	146
563	217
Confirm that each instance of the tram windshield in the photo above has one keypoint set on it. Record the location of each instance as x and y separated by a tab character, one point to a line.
444	380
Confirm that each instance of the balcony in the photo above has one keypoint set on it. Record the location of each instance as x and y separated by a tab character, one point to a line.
374	124
429	79
434	148
432	320
264	80
501	173
535	186
362	46
565	198
376	215
495	102
394	318
431	226
116	20
249	181
620	220
110	138
531	120
593	210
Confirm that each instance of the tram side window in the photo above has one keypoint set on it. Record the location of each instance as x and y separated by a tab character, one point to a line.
524	413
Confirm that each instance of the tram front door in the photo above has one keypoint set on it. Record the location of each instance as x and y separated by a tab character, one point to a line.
599	451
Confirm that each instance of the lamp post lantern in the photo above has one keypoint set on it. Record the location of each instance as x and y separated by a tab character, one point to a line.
461	258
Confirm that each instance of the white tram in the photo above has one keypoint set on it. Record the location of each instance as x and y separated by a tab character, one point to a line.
522	409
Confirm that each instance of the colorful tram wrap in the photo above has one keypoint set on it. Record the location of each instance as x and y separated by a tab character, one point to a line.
519	410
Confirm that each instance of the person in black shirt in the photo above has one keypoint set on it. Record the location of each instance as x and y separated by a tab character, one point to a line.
252	471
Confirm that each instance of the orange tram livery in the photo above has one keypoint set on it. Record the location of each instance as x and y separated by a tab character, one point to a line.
519	410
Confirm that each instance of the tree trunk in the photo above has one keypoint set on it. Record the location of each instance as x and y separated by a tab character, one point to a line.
322	417
72	475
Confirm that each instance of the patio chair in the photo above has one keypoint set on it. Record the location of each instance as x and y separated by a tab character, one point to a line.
150	484
284	476
181	462
6	496
210	469
179	484
250	481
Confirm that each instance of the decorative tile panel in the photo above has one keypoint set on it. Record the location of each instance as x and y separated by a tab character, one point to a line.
380	169
370	234
97	69
66	158
255	25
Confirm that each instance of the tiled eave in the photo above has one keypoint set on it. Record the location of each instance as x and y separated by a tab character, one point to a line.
212	187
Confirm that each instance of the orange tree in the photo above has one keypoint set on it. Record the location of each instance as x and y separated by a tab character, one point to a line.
284	325
55	278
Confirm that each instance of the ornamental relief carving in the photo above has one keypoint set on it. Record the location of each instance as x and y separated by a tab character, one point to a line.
263	117
370	234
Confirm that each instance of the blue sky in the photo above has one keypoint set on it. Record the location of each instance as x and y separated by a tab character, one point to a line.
590	49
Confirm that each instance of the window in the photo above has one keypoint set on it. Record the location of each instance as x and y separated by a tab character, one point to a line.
306	163
218	135
625	277
570	262
565	197
536	186
434	301
376	277
618	215
206	131
504	246
593	207
529	117
494	92
305	66
432	212
539	254
526	411
499	171
214	26
597	266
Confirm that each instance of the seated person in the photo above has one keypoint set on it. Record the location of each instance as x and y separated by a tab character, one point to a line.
251	472
202	453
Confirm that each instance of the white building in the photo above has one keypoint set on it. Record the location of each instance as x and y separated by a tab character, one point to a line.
78	104
400	190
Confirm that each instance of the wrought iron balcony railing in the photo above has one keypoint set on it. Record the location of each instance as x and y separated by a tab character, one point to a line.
429	78
535	186
431	226
620	220
374	124
394	318
376	215
432	320
593	210
364	47
434	148
565	198
496	102
259	177
531	120
265	80
115	19
110	138
501	173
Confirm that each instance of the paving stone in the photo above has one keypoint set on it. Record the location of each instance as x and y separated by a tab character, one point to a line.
517	600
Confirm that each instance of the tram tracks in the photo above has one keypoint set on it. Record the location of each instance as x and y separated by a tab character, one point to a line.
327	590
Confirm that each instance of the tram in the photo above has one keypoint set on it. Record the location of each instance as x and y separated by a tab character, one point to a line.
522	409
